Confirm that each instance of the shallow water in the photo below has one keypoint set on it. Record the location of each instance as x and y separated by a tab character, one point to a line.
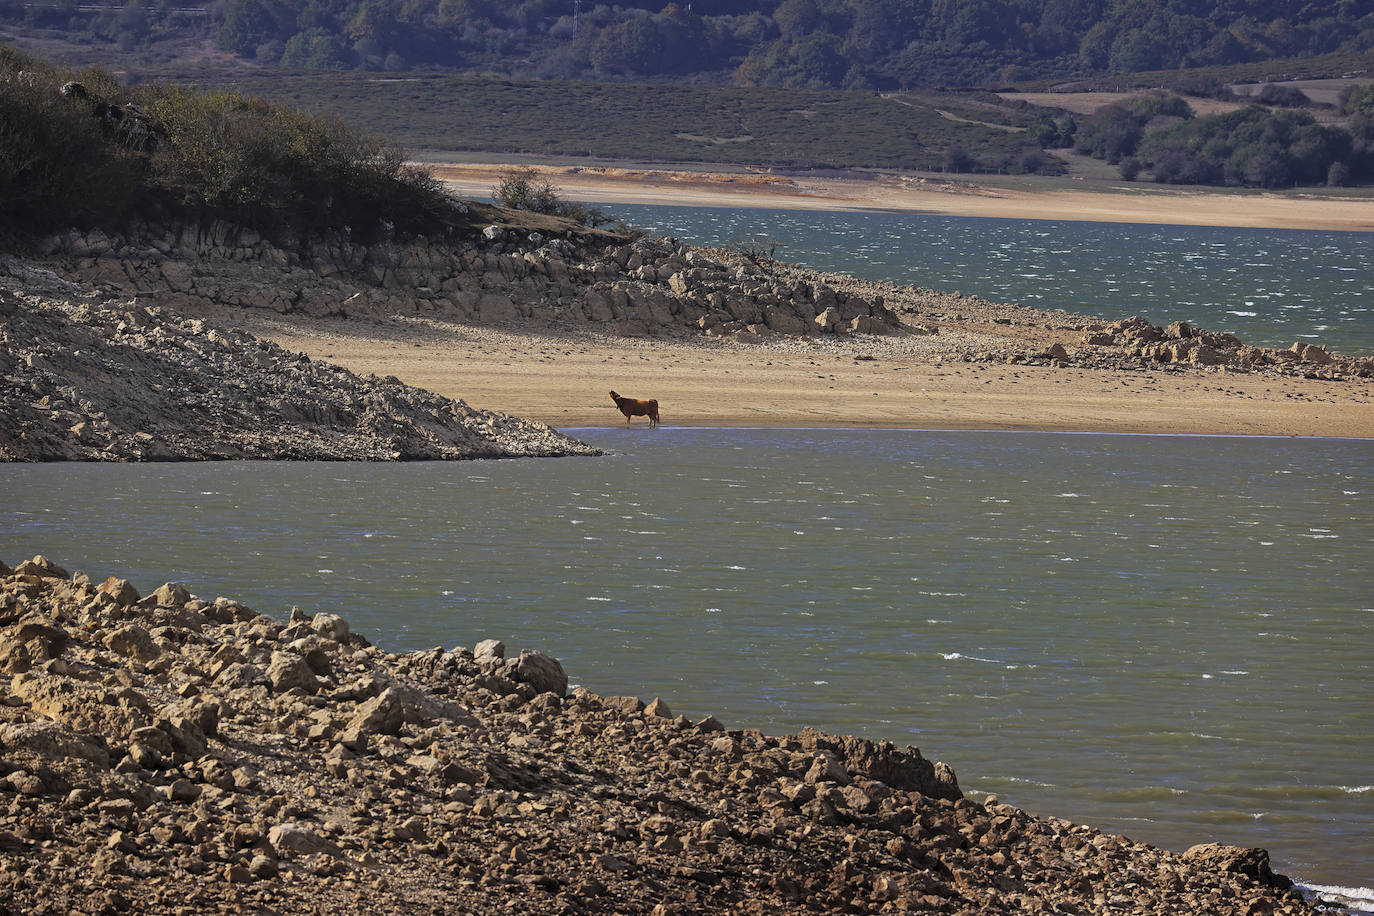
1270	287
1167	637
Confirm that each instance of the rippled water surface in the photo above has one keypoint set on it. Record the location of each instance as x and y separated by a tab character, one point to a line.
1169	637
1270	287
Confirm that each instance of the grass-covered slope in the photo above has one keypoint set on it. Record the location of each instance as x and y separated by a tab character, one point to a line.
667	122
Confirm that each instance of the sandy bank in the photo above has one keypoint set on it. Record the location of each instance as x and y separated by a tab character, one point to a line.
903	382
1101	201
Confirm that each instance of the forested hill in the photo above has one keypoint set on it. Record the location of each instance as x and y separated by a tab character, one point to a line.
853	44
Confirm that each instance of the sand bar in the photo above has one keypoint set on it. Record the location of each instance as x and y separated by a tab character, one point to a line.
1067	199
901	383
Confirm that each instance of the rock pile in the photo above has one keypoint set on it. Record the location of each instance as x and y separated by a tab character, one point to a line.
167	754
84	377
1182	344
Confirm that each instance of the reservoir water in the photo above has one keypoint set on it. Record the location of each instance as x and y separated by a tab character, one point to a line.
1270	287
1172	638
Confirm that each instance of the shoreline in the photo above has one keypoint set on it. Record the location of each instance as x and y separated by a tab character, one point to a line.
899	382
247	762
1094	200
572	430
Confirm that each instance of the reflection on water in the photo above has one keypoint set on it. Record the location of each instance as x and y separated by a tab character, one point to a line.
1269	287
1169	637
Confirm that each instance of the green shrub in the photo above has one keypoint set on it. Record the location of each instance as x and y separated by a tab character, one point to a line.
95	153
523	189
58	161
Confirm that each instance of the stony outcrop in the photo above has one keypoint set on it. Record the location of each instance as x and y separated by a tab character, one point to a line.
500	277
256	765
512	276
90	378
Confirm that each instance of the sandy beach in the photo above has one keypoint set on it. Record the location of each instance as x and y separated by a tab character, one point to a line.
1090	199
896	382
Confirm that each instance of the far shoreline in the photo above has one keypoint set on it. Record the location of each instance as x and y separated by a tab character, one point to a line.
1087	200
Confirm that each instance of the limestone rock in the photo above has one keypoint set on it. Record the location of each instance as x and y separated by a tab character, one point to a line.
288	670
53	740
133	642
489	648
123	594
42	567
542	672
829	319
1239	860
172	594
330	626
299	840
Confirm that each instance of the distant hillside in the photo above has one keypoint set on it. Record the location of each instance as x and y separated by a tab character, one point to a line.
763	127
854	44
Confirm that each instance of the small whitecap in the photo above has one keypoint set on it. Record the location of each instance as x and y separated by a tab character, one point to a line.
597	598
737	567
1067	495
1207	677
820	683
446	592
1236	672
713	610
950	656
1356	790
324	570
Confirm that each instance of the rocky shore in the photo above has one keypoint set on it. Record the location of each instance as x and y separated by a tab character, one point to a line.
84	376
514	274
162	753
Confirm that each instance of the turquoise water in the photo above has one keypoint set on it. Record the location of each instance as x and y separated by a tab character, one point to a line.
1270	287
1167	637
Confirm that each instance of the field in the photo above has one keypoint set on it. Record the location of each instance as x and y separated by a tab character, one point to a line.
774	128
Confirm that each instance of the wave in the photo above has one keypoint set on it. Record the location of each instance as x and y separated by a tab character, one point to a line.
1357	900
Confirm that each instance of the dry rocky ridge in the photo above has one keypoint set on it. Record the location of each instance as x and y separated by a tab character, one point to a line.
512	275
87	377
167	754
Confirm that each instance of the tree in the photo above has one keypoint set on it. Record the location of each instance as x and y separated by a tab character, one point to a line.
316	49
250	23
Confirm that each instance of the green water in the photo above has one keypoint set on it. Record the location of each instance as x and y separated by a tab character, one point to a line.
1166	637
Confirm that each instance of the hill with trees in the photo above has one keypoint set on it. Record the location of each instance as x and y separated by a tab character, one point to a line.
851	44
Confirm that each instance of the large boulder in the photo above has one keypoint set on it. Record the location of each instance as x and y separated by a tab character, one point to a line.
133	642
542	672
43	568
288	671
1252	862
53	741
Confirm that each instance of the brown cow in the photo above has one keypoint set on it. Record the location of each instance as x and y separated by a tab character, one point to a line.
635	407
